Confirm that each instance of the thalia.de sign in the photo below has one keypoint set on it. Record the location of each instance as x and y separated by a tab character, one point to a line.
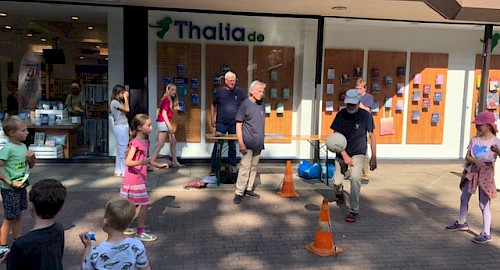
187	29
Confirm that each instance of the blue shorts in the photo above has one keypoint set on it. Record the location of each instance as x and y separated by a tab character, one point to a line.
14	202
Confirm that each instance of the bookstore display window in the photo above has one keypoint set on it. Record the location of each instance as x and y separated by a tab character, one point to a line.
51	48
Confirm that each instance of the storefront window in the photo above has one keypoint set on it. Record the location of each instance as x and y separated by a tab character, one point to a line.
54	67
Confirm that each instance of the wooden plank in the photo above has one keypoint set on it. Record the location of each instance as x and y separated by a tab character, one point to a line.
387	64
343	62
280	62
428	65
187	123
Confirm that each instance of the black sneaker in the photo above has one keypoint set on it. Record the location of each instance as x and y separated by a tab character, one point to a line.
251	194
213	173
237	199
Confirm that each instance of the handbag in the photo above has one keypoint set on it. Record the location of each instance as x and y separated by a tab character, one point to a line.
386	124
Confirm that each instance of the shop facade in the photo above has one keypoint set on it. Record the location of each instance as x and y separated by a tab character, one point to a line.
423	76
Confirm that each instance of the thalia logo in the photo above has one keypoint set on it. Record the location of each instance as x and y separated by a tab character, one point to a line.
186	29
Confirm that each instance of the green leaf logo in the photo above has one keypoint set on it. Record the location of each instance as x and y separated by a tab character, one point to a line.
164	25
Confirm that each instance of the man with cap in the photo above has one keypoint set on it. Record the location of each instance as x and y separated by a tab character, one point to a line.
354	123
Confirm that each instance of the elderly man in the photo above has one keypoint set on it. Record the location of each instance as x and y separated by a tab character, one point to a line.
250	126
225	103
354	123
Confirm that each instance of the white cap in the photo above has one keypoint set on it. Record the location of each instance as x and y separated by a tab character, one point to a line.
352	96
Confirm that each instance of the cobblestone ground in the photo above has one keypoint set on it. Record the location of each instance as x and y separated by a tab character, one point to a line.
404	209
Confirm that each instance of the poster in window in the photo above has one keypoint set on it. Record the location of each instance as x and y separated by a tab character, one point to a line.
194	83
399	105
417	79
493	84
388	103
438	96
426	103
225	69
280	108
427	89
329	89
401	89
329	106
273	94
180	69
375	87
195	99
415	115
416	96
273	75
375	107
492	101
344	79
182	106
388	80
267	107
400	71
375	72
358	72
435	118
331	74
167	81
440	79
286	93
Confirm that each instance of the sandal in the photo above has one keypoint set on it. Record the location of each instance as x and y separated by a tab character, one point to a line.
178	165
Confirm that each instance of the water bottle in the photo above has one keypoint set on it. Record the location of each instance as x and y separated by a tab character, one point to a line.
324	175
90	235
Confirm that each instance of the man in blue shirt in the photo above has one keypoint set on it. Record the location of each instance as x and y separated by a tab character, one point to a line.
225	103
365	104
354	123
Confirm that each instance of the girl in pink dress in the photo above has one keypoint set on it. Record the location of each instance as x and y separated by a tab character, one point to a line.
478	175
134	182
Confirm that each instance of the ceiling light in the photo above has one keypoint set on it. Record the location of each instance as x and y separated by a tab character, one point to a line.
90	27
97	46
43	39
8	27
29	35
82	57
75	18
339	8
3	14
106	59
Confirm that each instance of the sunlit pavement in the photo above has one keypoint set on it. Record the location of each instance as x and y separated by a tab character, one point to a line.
404	209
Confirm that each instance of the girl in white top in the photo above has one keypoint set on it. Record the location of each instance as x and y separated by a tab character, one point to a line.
119	107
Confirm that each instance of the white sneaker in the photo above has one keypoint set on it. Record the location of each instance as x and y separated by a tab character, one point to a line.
146	237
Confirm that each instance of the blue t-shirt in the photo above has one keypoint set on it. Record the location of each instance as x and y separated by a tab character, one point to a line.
253	117
227	102
354	128
367	100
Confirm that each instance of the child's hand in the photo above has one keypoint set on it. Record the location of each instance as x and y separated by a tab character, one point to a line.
18	184
163	165
86	242
30	154
495	148
479	164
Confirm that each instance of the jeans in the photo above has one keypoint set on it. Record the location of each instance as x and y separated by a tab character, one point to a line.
231	154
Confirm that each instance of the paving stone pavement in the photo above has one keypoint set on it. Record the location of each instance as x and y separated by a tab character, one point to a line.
404	209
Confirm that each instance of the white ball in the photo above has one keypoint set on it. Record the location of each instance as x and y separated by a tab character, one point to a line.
336	142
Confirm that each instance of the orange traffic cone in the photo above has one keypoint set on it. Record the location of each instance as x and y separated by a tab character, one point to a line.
323	244
288	190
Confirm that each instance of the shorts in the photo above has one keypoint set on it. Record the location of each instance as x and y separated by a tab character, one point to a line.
135	193
161	127
14	202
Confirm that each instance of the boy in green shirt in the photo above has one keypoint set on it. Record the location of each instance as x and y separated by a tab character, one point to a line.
15	162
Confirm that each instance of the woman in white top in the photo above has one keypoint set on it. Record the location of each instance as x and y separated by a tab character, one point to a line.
119	107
